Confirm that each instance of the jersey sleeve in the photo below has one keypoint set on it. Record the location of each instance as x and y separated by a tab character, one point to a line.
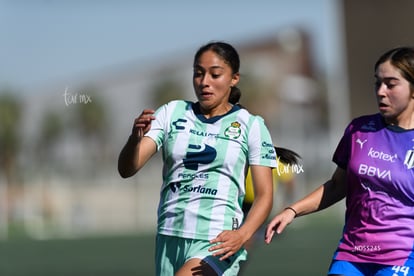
159	126
343	150
261	149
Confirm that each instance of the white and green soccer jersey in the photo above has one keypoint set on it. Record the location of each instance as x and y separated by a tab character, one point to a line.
205	164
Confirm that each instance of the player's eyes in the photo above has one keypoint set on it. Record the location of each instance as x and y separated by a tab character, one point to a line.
197	73
388	83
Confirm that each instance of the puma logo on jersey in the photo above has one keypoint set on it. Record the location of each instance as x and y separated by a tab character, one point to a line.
361	143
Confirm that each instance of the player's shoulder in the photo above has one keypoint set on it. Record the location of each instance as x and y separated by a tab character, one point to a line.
179	103
175	107
246	115
371	122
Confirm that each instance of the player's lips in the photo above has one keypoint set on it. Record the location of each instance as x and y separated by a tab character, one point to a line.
206	93
382	106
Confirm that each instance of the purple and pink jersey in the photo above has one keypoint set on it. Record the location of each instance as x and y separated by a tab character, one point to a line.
379	220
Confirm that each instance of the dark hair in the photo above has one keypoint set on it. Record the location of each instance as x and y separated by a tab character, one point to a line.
287	156
401	58
230	56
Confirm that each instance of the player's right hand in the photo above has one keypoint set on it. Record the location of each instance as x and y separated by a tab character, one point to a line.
278	224
142	123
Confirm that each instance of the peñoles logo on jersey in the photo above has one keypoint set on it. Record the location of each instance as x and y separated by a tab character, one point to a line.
233	131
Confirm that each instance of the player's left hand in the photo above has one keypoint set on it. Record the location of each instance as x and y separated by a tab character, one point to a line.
227	243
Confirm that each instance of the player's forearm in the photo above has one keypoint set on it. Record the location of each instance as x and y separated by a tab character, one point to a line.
310	203
324	196
128	158
257	215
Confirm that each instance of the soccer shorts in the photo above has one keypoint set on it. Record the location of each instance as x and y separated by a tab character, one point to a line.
173	252
345	268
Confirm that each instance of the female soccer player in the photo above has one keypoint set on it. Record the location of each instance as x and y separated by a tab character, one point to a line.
207	147
375	162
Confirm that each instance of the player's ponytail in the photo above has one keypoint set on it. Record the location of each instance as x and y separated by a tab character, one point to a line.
235	95
287	156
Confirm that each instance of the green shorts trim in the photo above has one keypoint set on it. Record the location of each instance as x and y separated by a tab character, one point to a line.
173	252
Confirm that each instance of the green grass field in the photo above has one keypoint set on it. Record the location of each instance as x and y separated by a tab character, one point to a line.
305	249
